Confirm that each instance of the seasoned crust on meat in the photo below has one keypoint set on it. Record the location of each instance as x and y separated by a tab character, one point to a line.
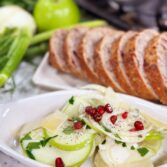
87	51
71	45
56	51
155	65
102	61
133	59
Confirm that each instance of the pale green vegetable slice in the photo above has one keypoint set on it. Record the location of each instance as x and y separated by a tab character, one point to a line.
94	125
36	146
154	135
34	140
99	162
74	106
77	104
70	139
48	155
122	126
153	145
116	153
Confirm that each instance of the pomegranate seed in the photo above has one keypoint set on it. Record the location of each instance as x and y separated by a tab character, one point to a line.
100	110
124	115
88	109
93	112
108	108
113	119
78	125
59	162
138	125
97	117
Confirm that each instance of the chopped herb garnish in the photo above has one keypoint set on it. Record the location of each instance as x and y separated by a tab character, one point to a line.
26	137
143	151
68	130
30	155
117	136
75	119
33	145
118	142
45	141
140	136
124	145
132	148
104	142
106	129
88	127
71	100
37	145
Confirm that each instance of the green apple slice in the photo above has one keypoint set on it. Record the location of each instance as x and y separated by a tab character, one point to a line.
70	139
36	137
36	146
48	154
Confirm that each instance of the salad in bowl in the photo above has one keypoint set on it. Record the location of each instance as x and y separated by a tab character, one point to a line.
101	127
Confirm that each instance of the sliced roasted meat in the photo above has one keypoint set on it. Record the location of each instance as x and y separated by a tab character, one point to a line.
87	51
116	61
133	59
155	65
72	42
102	61
56	51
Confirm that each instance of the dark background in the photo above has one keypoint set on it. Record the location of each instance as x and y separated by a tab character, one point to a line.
129	14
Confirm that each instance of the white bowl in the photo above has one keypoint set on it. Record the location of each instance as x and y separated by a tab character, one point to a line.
14	115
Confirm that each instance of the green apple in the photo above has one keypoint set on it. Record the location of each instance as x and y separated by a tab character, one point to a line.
76	143
69	140
51	14
47	155
36	147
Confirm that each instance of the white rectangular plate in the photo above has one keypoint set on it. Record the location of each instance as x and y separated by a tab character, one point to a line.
48	77
14	115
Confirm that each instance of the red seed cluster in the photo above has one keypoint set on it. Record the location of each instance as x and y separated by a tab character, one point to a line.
97	113
59	162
